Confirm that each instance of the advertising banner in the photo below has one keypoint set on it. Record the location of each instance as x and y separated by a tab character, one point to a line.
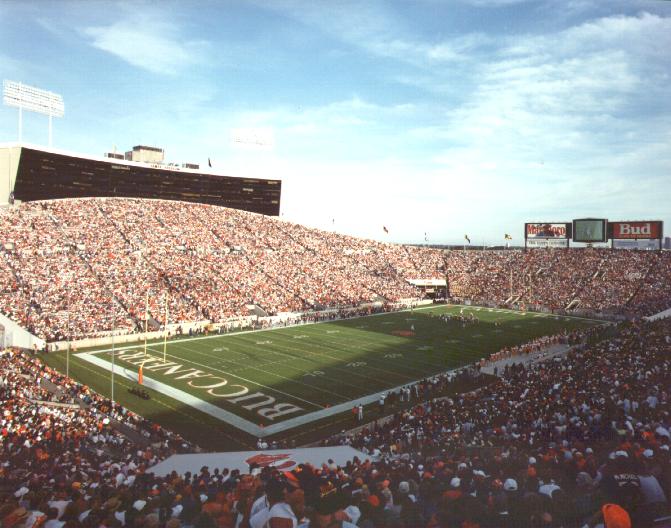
547	242
281	459
635	230
649	244
541	230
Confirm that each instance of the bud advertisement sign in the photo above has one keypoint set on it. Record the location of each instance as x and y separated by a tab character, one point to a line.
635	230
545	231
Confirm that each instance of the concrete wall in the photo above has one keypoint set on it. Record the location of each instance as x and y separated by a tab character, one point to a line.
9	164
135	337
660	315
16	336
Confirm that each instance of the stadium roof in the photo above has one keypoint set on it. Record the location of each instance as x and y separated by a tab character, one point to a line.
162	166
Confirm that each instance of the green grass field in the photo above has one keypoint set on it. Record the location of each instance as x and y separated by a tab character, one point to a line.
302	378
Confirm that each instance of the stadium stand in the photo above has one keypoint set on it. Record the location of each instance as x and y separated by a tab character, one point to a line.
551	444
62	259
580	439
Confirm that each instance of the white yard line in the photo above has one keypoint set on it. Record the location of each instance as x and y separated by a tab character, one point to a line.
228	417
245	425
270	373
179	395
421	308
209	367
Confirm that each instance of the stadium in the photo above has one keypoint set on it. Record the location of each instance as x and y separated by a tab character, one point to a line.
176	351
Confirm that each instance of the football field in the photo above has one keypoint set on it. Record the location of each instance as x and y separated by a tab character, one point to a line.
268	382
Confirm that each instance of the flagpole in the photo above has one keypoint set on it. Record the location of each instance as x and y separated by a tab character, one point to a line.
113	331
67	357
165	329
146	320
511	283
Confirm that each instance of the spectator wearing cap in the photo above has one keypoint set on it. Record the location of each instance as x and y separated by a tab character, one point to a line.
410	513
653	498
16	518
610	516
621	484
328	511
587	497
391	511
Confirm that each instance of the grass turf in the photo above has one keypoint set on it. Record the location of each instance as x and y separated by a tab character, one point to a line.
316	366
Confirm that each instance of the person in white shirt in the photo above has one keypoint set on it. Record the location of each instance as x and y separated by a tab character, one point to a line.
259	504
276	492
52	519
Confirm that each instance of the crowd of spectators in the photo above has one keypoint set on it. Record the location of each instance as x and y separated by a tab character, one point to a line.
545	445
84	267
579	440
610	282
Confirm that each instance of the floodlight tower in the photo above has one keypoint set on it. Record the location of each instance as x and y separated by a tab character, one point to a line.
26	97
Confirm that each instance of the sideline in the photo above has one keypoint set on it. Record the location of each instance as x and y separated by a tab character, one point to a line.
291	423
407	310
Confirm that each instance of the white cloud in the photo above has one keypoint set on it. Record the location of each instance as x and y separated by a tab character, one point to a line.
375	28
494	3
555	125
148	42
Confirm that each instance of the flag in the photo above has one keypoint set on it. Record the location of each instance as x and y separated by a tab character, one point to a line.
507	237
384	228
140	377
209	162
467	239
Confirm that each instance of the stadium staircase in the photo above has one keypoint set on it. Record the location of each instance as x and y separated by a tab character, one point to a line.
276	280
653	265
344	268
255	309
260	309
414	265
120	427
166	280
573	305
79	254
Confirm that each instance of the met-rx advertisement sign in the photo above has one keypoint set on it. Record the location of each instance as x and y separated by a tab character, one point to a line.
635	230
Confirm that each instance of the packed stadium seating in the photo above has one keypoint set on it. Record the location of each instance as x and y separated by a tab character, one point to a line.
81	267
546	445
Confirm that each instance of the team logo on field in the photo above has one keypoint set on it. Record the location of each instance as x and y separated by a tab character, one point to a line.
275	461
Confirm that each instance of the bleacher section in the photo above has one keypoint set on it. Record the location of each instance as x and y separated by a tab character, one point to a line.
80	267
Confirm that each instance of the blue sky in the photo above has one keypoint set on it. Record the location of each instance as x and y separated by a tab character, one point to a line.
426	116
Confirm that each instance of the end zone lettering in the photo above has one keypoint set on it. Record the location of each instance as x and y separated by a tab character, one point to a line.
264	405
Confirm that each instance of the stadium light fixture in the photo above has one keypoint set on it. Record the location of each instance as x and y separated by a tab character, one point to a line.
33	99
263	137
